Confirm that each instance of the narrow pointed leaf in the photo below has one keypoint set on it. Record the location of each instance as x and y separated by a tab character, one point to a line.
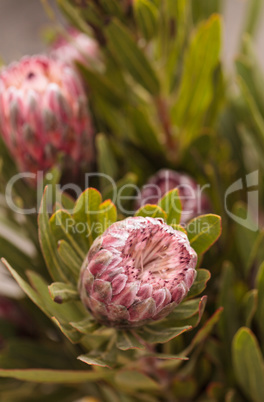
204	231
171	204
71	260
86	326
248	364
85	213
134	380
152	335
131	57
205	331
64	227
152	211
260	306
95	360
48	243
126	340
200	283
53	376
107	215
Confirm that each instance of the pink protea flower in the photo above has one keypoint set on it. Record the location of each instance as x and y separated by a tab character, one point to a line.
194	200
137	271
43	113
75	46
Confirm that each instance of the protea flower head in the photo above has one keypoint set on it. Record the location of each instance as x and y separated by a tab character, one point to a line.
137	271
43	113
194	201
75	46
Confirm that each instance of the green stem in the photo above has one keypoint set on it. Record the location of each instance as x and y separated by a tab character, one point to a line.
162	110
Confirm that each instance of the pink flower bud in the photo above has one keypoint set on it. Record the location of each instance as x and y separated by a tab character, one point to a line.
194	201
44	113
75	46
137	271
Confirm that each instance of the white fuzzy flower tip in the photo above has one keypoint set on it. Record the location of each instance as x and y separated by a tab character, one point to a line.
44	113
137	271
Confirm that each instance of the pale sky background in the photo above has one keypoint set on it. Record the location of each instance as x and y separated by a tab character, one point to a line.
21	23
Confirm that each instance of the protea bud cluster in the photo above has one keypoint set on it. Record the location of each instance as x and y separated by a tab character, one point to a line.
194	201
43	113
137	271
75	46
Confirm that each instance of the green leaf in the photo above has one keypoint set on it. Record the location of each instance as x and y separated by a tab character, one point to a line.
144	132
60	314
260	307
202	9
248	364
197	86
248	242
71	260
255	116
126	340
112	7
53	376
124	188
134	380
205	331
63	228
48	243
152	334
249	306
105	158
152	211
31	293
86	326
203	232
228	323
86	213
74	15
171	204
186	316
185	310
62	292
70	332
146	15
180	228
131	57
97	359
200	283
101	86
107	215
164	356
14	255
253	15
248	70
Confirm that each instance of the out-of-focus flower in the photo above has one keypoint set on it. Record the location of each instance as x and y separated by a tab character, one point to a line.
137	271
13	314
75	46
44	113
194	201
